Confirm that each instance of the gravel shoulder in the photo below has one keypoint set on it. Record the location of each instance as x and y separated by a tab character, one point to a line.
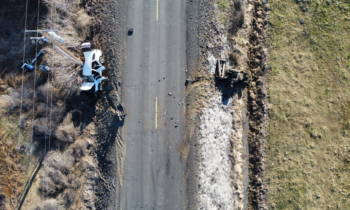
109	32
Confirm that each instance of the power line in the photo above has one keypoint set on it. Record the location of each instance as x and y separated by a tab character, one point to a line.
48	80
20	110
34	94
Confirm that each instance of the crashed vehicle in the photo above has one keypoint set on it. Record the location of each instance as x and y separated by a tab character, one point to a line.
222	72
92	69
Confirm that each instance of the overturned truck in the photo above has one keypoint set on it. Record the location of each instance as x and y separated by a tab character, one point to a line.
222	72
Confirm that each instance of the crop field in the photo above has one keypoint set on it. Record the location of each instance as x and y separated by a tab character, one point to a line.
309	127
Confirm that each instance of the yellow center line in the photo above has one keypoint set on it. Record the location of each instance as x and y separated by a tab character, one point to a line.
156	113
157	10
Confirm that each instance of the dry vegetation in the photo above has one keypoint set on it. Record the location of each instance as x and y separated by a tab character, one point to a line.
309	144
18	149
231	15
68	176
11	179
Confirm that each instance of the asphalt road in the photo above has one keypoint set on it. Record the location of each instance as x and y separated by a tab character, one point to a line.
154	173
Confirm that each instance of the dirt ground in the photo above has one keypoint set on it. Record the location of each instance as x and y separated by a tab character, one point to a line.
207	31
109	33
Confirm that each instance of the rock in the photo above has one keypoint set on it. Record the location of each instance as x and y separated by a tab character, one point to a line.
302	22
318	196
328	2
170	94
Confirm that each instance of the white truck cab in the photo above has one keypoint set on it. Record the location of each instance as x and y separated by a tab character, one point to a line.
92	69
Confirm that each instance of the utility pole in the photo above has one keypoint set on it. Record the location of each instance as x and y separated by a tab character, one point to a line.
56	40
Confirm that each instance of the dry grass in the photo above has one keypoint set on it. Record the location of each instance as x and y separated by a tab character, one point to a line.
79	148
72	24
66	132
83	21
309	79
66	175
238	16
51	204
11	182
58	161
47	90
53	179
10	101
231	15
69	197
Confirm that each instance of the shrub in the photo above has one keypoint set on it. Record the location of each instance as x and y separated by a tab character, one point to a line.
47	90
74	181
42	110
52	182
47	186
68	197
82	21
50	204
238	16
90	169
79	148
58	161
10	101
41	126
66	132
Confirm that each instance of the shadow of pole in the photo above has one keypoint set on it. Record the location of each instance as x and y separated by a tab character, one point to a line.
29	182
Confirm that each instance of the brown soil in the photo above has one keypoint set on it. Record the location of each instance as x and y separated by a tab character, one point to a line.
257	106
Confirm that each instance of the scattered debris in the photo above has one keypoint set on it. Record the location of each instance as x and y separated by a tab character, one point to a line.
44	68
130	31
29	65
170	94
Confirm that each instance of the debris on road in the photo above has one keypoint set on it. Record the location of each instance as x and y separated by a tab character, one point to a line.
130	31
170	94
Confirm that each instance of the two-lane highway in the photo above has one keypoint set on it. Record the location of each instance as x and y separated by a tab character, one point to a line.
154	173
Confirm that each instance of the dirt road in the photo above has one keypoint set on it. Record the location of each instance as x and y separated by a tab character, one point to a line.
154	94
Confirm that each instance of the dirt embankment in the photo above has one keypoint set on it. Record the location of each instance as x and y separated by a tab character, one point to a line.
257	106
109	34
226	30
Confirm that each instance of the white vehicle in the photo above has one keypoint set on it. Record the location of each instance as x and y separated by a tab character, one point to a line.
92	69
